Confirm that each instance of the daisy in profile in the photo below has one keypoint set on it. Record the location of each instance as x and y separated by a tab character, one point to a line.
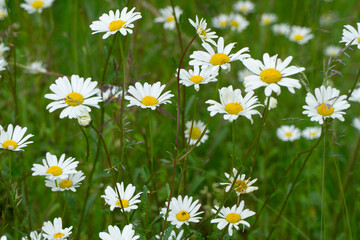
173	235
351	36
3	49
73	95
195	133
167	16
242	74
128	201
115	22
205	34
3	15
72	182
300	35
183	211
127	233
311	133
13	139
233	104
36	6
332	51
272	103
241	185
54	169
36	67
237	22
355	95
221	21
196	77
110	92
34	235
271	74
268	18
356	123
288	133
55	231
281	29
3	64
245	7
232	217
212	61
326	103
147	95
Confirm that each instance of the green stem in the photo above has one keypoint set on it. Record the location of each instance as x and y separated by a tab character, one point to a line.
233	156
151	143
122	138
322	190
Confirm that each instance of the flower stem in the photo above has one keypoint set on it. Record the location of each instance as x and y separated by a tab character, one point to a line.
233	156
151	143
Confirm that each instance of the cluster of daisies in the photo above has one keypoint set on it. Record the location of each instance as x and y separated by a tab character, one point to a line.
291	133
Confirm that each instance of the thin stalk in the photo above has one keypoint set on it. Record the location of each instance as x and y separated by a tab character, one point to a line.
65	205
122	137
107	59
233	156
151	142
322	189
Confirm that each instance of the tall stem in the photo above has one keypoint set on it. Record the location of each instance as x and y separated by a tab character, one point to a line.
151	143
233	156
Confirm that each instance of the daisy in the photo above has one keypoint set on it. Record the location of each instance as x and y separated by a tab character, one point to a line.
196	77
242	74
183	211
281	29
232	217
242	185
13	139
36	67
355	95
197	129
3	64
212	60
173	235
272	103
351	36
72	182
128	233
328	18
148	96
327	103
54	231
237	22
55	169
33	6
288	133
167	17
3	49
3	15
233	105
221	21
311	133
115	22
271	74
356	123
128	200
34	235
3	238
332	51
244	7
300	35
205	34
73	96
110	92
268	18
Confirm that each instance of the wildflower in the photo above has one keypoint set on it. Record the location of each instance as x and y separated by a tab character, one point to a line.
111	92
288	133
13	139
196	77
268	18
221	21
36	67
356	123
355	95
311	133
34	235
281	29
300	35
3	64
3	15
168	16
54	231
115	234
3	49
196	131
243	74
84	119
272	103
244	7
351	36
72	182
332	51
242	185
33	6
3	238
205	34
237	22
173	235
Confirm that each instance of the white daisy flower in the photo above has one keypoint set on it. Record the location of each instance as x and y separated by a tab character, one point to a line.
115	22
311	133
328	18
327	103
3	64
268	18
36	67
221	21
355	95
168	17
272	103
148	96
34	235
233	104
356	123
196	77
351	35
3	49
332	51
244	7
288	133
242	74
173	236
205	34
3	238
3	13
281	29
197	129
54	231
55	169
110	92
72	182
242	185
183	211
128	200
73	96
128	233
271	74
300	35
13	139
33	6
237	22
212	60
232	217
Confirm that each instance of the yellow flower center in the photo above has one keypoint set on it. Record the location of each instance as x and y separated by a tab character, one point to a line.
266	21
243	9
223	23
37	4
233	218
149	101
234	23
219	59
240	186
325	110
270	75
74	99
59	235
54	170
358	39
10	145
183	216
298	37
195	133
233	108
196	79
202	31
288	134
2	15
65	184
170	19
312	133
125	203
116	25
